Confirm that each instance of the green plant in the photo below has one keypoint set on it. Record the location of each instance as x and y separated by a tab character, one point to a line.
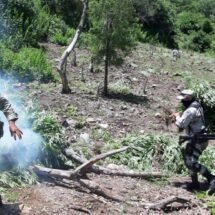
71	111
81	123
120	87
101	134
16	178
26	65
59	39
54	142
149	152
205	94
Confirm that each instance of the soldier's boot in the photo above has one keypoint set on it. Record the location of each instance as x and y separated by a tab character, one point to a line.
194	185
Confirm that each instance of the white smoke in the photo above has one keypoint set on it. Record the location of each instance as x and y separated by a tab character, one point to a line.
20	152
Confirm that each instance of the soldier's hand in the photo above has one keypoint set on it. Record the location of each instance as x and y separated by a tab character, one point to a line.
176	115
14	130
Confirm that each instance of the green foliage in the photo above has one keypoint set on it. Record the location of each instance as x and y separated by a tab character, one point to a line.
16	178
120	87
205	94
54	141
70	11
195	30
31	22
71	111
207	158
157	18
150	152
26	65
114	22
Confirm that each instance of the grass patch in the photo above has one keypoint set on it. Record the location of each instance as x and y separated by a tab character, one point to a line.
28	64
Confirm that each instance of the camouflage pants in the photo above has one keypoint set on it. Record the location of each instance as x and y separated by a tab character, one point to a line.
191	153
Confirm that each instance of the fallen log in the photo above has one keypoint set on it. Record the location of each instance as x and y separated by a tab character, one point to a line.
164	202
71	154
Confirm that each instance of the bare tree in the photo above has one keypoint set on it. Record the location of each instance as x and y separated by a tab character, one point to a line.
61	67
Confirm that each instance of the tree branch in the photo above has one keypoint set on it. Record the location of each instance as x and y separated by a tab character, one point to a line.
87	165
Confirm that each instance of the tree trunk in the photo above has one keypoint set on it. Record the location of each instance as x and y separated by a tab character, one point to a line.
63	60
107	54
65	87
106	69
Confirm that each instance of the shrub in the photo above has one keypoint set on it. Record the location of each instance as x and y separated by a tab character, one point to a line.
59	39
54	141
26	65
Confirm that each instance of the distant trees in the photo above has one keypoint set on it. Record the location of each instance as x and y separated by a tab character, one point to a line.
157	18
113	32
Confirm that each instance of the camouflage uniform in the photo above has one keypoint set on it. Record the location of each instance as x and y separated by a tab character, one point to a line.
192	120
8	111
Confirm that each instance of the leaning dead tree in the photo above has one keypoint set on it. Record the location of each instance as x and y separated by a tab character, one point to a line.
79	174
61	67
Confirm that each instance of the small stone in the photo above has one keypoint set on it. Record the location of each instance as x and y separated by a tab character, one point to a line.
158	115
154	86
105	126
123	107
85	138
90	120
69	123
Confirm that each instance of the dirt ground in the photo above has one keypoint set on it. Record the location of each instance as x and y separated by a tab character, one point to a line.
49	198
154	83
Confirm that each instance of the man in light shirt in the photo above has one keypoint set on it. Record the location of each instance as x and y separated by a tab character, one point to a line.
192	121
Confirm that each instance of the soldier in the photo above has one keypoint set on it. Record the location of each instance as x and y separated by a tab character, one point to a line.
193	122
176	54
11	116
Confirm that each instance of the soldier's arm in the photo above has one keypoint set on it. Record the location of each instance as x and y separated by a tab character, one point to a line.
8	111
11	116
186	118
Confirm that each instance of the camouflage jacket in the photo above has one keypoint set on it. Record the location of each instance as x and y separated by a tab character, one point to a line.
6	108
192	119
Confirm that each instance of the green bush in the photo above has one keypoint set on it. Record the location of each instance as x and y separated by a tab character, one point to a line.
54	142
59	39
26	65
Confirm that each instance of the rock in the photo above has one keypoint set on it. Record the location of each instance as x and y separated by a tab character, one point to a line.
69	123
132	110
105	126
116	167
91	120
85	138
134	65
154	86
123	107
134	79
158	115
